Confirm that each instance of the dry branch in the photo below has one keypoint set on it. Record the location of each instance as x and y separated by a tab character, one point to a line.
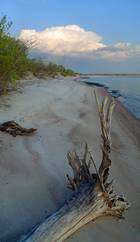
14	129
94	195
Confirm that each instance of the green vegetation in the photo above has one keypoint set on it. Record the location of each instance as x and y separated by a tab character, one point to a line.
15	63
41	69
13	57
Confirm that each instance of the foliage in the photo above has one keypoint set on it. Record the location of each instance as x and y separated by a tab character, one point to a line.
14	61
13	57
42	69
4	26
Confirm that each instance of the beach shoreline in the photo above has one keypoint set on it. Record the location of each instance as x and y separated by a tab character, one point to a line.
65	114
124	89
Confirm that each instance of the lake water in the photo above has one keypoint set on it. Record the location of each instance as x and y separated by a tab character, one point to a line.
124	88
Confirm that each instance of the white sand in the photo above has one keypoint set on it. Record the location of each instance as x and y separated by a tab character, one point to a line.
32	169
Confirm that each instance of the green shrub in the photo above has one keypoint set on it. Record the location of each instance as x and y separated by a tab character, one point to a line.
42	69
13	57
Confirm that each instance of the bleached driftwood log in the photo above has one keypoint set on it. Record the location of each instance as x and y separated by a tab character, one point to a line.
94	195
14	129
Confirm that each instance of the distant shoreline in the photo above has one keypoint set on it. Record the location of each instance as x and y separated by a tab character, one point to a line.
110	74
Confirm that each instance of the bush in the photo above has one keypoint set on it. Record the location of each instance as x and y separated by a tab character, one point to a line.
13	57
41	69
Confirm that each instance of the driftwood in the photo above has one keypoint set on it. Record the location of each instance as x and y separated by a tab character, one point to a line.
94	196
14	129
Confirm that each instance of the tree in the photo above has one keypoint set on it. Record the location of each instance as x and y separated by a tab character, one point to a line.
4	26
13	56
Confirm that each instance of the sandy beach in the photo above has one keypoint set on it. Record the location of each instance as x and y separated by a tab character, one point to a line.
33	169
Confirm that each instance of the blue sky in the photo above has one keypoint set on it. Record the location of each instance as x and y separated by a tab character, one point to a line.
115	21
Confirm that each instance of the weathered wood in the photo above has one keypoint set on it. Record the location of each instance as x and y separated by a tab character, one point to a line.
94	196
14	129
89	204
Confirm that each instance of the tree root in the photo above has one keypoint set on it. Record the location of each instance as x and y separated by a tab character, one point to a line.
14	129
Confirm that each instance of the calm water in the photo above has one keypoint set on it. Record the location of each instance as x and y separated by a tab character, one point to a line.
125	88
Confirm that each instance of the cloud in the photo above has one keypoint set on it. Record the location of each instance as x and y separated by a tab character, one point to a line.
119	51
63	40
74	41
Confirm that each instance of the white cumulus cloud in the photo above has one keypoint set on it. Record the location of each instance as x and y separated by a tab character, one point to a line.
63	40
72	40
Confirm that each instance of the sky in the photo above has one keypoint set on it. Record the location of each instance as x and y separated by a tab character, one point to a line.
86	35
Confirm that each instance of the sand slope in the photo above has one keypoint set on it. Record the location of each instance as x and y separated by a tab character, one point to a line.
32	169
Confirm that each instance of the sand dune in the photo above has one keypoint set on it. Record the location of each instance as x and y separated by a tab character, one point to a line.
32	169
